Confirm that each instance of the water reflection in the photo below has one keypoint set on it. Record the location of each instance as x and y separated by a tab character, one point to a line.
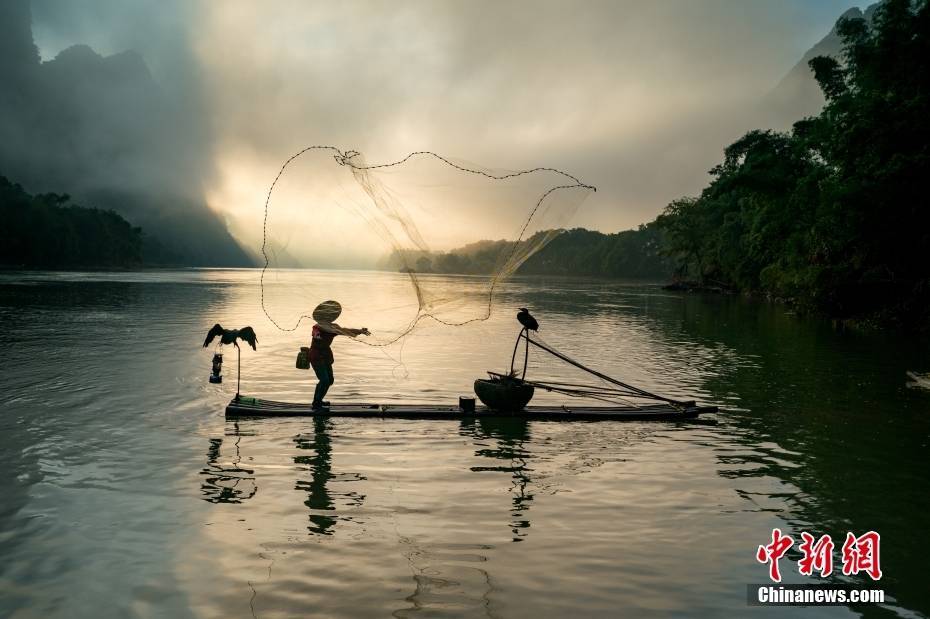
319	463
511	437
227	482
827	436
456	588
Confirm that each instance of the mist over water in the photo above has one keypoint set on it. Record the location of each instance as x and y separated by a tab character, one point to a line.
127	492
174	112
102	129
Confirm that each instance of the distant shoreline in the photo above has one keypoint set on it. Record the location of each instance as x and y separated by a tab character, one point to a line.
258	269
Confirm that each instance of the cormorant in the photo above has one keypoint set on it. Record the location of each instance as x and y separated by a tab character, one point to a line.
229	336
526	319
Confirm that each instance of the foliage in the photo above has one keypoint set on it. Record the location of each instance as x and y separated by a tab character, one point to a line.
44	231
629	254
832	214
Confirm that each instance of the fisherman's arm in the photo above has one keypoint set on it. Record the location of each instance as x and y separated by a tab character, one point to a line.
355	332
337	330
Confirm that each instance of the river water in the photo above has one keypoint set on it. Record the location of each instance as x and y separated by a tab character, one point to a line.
126	493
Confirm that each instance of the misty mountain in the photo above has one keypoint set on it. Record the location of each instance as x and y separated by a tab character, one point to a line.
101	129
797	95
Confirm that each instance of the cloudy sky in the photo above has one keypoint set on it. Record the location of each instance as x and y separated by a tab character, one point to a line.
637	98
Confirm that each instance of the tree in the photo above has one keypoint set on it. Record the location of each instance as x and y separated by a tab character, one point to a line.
45	231
832	214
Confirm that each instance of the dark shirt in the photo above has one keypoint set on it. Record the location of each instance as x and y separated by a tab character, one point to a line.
320	351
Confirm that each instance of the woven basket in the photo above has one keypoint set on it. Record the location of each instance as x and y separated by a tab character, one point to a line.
504	394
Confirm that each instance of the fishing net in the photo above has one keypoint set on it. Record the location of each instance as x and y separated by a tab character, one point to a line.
431	238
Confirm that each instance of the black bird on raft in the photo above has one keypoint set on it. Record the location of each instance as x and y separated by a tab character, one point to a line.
526	319
529	324
229	336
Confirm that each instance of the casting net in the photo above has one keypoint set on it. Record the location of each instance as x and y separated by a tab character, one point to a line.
432	238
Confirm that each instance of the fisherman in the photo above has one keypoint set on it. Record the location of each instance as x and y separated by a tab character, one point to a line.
321	354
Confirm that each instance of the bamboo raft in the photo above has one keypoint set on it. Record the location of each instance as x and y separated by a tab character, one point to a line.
504	396
254	407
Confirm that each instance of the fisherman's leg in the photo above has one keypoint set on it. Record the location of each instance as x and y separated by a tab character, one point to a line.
323	376
326	381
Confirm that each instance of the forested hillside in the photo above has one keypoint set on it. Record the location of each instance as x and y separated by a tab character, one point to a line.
832	214
46	231
635	254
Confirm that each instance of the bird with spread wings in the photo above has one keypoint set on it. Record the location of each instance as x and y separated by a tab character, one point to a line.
229	336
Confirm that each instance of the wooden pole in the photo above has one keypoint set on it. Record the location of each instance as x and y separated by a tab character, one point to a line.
516	345
238	367
526	353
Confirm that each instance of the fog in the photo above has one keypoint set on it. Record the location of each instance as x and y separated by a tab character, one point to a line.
636	98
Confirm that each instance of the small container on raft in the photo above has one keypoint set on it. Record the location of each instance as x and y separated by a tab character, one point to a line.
215	371
504	393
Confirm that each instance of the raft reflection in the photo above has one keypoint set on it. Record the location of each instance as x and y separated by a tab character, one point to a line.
511	436
227	482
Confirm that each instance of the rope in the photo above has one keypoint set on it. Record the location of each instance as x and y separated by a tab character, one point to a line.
634	391
607	394
345	159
